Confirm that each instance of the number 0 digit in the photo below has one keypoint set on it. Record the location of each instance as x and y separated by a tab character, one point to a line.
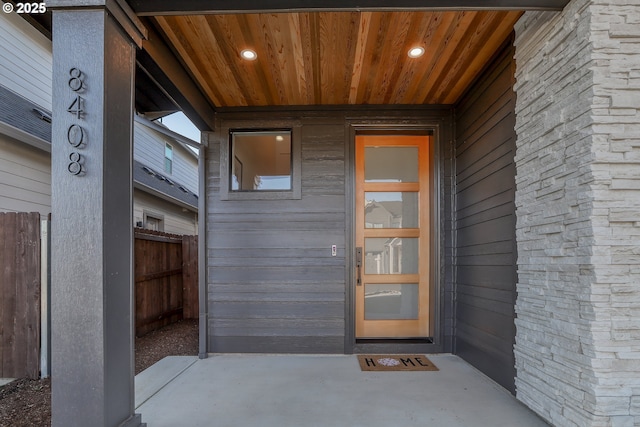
75	135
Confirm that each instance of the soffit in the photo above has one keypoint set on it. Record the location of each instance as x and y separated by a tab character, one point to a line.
335	58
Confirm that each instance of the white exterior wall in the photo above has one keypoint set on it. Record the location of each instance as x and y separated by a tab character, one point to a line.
175	219
578	213
25	60
25	178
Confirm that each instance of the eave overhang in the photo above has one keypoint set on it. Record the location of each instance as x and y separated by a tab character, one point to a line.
198	7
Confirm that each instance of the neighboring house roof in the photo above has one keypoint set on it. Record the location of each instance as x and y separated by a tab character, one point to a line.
185	142
146	177
24	120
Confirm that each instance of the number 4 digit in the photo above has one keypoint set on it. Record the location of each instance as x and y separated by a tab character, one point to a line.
77	107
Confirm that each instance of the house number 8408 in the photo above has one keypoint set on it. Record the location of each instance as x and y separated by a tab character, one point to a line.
75	132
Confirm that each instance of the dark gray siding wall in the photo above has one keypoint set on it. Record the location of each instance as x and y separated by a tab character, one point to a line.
273	284
485	251
448	242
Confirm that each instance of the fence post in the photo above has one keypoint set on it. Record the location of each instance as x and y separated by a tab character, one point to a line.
45	299
190	276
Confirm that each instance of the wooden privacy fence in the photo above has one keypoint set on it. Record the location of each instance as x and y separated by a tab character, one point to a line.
20	295
166	288
166	279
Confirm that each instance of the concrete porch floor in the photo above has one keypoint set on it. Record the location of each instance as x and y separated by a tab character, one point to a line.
320	390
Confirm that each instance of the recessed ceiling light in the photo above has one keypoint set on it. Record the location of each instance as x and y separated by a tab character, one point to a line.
416	52
279	138
249	54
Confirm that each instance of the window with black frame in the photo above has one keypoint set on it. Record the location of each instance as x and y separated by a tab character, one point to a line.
260	161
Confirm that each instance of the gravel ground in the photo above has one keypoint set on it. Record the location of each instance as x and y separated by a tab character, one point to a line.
27	403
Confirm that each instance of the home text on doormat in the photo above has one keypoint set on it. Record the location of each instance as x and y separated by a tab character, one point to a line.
395	362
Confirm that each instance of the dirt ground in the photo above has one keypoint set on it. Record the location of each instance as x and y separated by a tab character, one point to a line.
27	403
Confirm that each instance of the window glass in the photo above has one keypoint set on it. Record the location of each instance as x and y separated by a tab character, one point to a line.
153	223
391	164
391	302
391	255
260	161
391	210
168	158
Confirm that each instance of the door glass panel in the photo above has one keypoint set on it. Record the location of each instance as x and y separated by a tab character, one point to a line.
391	302
391	164
391	255
391	210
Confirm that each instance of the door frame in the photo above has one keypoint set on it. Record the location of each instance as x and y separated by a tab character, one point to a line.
398	126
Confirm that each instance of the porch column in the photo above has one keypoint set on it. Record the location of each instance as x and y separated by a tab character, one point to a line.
91	232
577	204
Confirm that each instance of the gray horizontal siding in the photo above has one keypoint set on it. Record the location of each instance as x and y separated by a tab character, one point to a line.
149	149
231	294
276	344
273	285
280	312
279	270
485	262
25	178
484	278
25	60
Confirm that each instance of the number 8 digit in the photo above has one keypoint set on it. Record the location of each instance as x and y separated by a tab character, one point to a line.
75	82
75	167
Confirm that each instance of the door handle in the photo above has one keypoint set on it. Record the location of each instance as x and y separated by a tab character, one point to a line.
358	266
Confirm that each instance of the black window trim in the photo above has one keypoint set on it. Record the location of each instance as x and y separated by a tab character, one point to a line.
295	193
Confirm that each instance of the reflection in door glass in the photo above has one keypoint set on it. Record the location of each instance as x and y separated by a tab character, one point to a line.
391	210
391	255
391	164
391	302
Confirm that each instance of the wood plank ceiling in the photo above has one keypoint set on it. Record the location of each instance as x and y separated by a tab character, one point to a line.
336	58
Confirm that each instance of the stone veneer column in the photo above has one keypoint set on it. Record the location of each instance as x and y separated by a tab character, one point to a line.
578	213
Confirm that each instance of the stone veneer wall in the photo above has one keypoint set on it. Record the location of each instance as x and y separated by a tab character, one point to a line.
578	213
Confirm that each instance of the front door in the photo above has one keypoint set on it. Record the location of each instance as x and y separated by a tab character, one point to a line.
392	236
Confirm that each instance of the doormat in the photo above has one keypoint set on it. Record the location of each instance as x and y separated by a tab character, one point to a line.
395	362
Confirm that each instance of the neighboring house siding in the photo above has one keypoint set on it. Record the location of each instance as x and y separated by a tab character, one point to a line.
149	149
25	186
25	178
145	149
485	220
175	220
273	285
25	172
185	167
25	60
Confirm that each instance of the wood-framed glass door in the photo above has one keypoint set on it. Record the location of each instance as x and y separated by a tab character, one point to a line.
392	198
